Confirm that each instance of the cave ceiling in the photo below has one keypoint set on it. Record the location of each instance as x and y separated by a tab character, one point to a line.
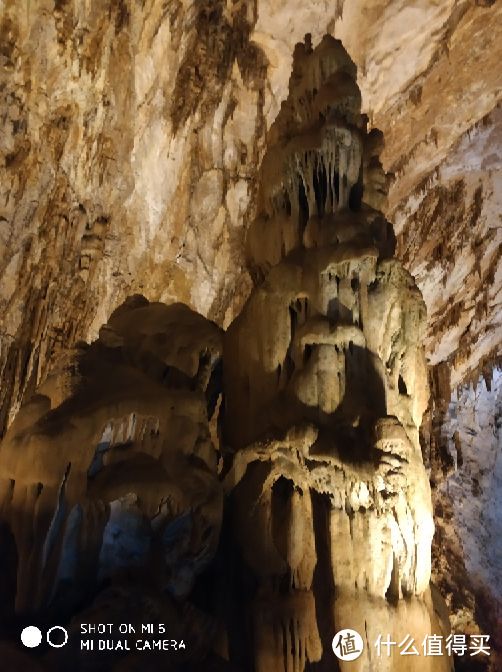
132	137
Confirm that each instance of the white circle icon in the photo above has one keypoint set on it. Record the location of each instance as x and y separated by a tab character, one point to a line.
60	629
31	636
347	644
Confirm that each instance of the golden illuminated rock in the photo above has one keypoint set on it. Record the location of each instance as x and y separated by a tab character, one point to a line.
325	388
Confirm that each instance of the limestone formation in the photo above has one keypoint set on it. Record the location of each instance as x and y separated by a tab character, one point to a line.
110	469
325	388
113	472
139	155
468	475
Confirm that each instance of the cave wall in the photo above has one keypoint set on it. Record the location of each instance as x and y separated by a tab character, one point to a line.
468	506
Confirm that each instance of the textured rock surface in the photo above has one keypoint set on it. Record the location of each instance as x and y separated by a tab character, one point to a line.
110	467
468	507
325	387
131	138
112	486
131	135
454	250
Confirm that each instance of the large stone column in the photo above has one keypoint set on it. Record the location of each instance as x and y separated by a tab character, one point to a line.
325	386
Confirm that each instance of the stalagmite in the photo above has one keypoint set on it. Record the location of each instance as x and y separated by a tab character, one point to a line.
325	386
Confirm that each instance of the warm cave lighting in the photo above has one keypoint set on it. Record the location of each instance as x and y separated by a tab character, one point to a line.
250	318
